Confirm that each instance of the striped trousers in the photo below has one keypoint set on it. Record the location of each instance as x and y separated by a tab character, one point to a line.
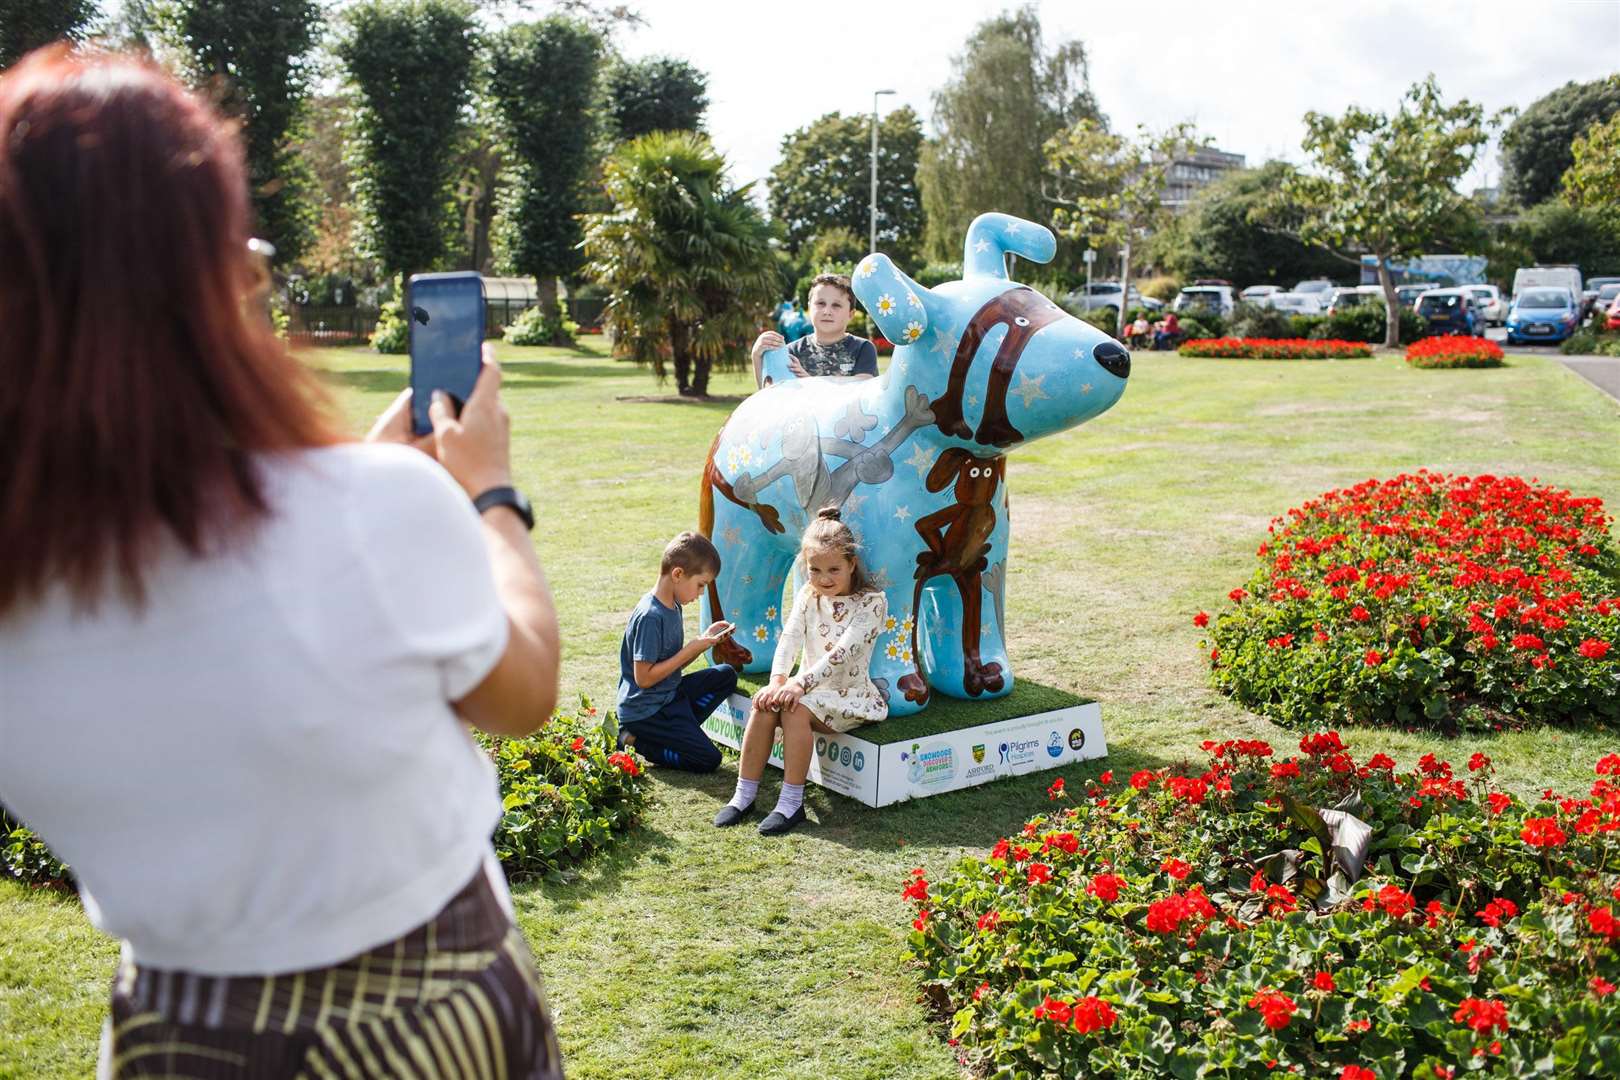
458	997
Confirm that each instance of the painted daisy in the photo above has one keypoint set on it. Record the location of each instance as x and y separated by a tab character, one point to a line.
770	613
911	298
889	623
885	304
892	652
760	633
913	331
867	268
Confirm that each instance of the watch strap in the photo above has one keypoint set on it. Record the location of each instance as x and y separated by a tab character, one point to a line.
506	496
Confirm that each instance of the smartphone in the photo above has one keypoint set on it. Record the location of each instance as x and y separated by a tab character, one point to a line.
446	316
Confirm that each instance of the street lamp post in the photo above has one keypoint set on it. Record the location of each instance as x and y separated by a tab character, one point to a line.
872	234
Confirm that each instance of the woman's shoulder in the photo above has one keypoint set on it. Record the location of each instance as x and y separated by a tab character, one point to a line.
368	473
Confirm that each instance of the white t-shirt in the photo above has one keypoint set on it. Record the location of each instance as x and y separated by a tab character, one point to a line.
261	772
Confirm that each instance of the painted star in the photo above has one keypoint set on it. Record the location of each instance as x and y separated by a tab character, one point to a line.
881	579
972	400
853	504
901	513
1013	227
982	246
986	629
1079	354
732	534
920	459
944	340
1030	389
748	579
1085	388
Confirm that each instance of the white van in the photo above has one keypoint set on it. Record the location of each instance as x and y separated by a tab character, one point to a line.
1556	277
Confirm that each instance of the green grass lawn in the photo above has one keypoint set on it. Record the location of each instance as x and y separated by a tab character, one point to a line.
692	952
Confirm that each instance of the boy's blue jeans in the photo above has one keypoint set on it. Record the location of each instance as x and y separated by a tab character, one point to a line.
673	735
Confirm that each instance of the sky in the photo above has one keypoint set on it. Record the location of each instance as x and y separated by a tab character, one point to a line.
1244	71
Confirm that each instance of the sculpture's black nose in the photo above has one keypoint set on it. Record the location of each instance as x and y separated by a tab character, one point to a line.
1113	358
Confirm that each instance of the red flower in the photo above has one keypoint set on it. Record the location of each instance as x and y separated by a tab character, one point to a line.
1478	761
1601	986
1324	981
1609	765
916	889
920	923
1498	801
1356	1072
1001	850
1054	1010
1528	641
1142	778
1360	614
1373	658
1038	874
1237	595
1356	1027
1093	1014
1602	921
1482	1015
1276	1008
1201	619
981	990
1106	887
1285	768
625	764
1542	832
1056	790
578	745
1175	868
1594	649
1496	911
990	920
1397	903
1107	777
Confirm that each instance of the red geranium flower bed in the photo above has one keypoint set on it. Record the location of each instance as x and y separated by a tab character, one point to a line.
1212	920
1274	349
1429	599
1454	352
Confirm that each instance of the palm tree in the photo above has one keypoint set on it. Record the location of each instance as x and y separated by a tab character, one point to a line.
685	257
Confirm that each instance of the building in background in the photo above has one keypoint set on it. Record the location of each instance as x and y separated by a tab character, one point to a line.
1188	175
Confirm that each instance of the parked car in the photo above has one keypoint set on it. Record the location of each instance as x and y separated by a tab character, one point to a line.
1614	312
1255	294
1294	303
1106	294
1344	299
1314	285
1450	311
1607	294
1215	299
1488	298
1556	277
1543	314
1408	294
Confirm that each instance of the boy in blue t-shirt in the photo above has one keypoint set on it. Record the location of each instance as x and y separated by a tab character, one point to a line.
661	711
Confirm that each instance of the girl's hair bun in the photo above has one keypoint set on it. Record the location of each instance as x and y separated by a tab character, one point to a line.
829	513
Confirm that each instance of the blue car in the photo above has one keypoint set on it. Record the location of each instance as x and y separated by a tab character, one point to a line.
1450	311
1549	315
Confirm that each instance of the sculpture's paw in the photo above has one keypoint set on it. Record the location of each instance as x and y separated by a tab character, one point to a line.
730	651
979	678
998	433
913	687
950	422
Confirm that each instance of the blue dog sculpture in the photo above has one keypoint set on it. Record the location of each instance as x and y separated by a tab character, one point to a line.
915	459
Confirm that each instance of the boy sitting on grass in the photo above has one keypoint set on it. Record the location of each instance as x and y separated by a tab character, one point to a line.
661	711
831	350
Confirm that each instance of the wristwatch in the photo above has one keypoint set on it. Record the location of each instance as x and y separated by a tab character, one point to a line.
507	496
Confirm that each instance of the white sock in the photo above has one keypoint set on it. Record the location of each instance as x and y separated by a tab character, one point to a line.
790	800
743	798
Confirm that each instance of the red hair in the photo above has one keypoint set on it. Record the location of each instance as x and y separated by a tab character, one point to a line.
136	387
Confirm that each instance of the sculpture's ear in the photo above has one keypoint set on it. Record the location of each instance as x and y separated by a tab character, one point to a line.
946	468
992	236
894	301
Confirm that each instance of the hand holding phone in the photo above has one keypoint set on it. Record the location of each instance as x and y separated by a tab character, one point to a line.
719	631
446	317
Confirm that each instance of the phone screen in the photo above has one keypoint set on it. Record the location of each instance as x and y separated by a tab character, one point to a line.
446	315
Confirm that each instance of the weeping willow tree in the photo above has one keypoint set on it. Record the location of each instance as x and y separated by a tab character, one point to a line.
685	256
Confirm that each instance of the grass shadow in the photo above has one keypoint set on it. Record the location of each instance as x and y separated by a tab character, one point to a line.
515	375
602	873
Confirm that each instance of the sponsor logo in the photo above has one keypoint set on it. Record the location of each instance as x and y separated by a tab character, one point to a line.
860	760
844	756
1077	738
978	754
1002	750
821	748
1019	751
1054	745
978	773
927	765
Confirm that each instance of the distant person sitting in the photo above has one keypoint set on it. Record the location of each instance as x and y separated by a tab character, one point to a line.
1137	333
831	349
1169	333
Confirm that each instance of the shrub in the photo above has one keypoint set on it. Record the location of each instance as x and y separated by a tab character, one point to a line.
1305	325
1365	322
1212	922
566	793
1104	319
1454	352
1591	341
1429	600
1256	321
534	327
393	332
1162	287
938	274
1201	326
1268	349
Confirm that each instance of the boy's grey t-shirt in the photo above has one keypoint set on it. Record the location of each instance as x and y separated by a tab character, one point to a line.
850	355
654	633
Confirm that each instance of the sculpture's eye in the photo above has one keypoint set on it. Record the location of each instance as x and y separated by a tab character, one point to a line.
1021	321
974	472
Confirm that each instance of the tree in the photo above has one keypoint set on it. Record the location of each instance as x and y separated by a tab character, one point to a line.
25	25
256	58
1006	98
659	93
1537	146
1107	189
823	181
543	79
411	65
1386	185
686	257
1593	178
1557	234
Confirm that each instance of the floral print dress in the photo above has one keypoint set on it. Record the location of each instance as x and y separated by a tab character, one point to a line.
836	634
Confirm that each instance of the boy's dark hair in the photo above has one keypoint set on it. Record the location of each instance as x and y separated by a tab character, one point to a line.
692	552
837	281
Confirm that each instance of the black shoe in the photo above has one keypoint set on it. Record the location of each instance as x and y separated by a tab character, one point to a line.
775	824
730	815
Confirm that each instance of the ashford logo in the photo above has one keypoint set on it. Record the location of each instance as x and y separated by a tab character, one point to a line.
1019	751
1054	745
1077	738
930	764
978	753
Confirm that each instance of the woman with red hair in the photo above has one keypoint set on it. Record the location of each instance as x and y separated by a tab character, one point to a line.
238	653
